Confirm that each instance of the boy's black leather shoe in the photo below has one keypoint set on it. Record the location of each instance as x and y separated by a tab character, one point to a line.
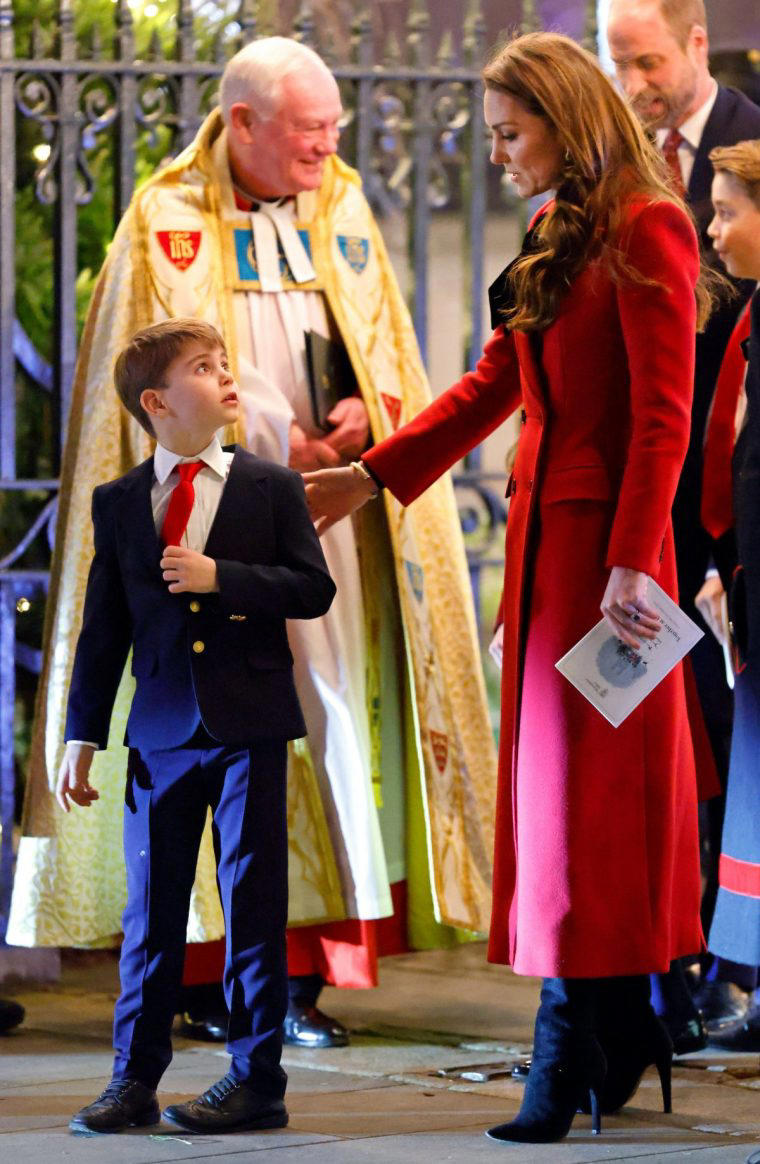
125	1103
228	1106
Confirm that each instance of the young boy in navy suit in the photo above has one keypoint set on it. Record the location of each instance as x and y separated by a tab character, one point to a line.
201	554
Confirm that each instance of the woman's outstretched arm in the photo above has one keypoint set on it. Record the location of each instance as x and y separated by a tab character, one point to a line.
416	455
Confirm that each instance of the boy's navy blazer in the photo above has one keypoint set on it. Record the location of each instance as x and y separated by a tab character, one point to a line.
733	118
218	659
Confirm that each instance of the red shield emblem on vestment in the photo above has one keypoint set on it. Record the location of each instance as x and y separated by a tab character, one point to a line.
180	246
440	745
393	408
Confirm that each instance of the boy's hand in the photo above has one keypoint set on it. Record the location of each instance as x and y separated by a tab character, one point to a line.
188	570
711	604
73	777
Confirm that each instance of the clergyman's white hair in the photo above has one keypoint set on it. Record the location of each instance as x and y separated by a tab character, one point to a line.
255	74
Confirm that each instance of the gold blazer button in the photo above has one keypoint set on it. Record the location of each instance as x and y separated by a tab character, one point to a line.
199	647
195	606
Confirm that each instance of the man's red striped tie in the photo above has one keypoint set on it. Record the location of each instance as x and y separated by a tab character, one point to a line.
670	154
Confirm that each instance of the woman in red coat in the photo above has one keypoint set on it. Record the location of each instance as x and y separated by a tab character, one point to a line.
596	871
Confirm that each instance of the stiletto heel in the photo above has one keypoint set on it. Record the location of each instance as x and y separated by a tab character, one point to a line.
553	1094
567	1069
664	1065
628	1055
596	1115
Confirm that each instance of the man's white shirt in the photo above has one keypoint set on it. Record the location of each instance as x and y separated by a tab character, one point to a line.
691	132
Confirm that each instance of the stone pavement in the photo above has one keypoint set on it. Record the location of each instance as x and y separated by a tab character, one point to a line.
380	1101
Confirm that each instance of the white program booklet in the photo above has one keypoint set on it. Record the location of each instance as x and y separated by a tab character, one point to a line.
615	677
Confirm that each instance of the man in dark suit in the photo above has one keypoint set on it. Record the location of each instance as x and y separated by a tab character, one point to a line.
660	52
201	554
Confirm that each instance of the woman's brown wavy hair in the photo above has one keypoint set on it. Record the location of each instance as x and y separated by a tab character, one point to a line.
608	159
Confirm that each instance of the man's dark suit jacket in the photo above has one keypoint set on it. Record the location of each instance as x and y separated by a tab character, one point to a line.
733	118
221	660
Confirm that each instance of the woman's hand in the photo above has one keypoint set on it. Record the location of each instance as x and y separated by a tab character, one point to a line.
332	494
626	609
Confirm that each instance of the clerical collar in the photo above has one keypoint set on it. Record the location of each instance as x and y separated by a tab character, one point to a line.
243	200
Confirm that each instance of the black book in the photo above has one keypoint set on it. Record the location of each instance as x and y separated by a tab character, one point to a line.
331	377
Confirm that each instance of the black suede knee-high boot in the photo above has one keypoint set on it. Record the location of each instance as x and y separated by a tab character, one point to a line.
567	1067
632	1038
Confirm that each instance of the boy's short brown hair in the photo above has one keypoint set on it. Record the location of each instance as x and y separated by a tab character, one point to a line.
143	362
742	162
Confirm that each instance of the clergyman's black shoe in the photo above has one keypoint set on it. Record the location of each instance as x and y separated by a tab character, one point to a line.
228	1106
720	1004
210	1029
125	1103
689	1036
11	1015
741	1036
307	1026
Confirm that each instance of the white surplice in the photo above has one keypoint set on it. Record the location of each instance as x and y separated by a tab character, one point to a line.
329	652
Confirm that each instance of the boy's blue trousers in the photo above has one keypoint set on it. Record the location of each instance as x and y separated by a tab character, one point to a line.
167	798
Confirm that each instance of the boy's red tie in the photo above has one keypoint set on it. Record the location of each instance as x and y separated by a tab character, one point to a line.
180	503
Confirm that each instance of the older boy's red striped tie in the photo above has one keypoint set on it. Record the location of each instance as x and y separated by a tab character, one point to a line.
180	503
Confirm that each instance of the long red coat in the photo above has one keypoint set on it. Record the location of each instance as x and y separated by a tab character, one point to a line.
596	866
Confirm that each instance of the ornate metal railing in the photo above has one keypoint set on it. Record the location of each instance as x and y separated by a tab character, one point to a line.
413	129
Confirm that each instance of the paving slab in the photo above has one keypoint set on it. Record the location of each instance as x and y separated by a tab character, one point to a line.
155	1147
382	1100
461	1145
448	991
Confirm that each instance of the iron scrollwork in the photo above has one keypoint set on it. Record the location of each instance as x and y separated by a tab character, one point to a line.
483	516
450	111
156	105
393	126
45	520
391	161
98	97
38	98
